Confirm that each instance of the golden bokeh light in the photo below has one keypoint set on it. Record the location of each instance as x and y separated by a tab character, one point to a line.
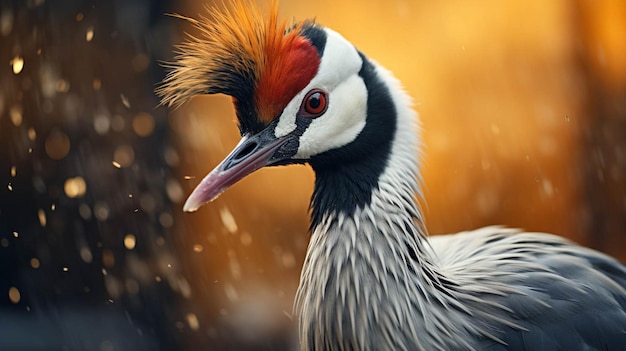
18	64
16	115
75	187
89	34
130	241
34	262
192	321
228	220
14	295
32	134
43	221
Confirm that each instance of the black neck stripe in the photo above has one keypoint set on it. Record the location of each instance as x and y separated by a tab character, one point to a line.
346	177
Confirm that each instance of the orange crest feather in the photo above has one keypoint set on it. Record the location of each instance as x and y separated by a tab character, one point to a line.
241	52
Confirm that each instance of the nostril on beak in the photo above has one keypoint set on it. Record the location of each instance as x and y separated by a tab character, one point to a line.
245	151
242	154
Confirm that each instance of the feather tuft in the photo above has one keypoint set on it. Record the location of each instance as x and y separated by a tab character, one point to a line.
240	51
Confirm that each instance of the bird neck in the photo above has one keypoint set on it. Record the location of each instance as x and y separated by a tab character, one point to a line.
375	178
368	255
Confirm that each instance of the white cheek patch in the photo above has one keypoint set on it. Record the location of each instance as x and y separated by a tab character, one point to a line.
341	123
287	121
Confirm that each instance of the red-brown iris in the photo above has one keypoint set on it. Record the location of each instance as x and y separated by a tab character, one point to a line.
314	104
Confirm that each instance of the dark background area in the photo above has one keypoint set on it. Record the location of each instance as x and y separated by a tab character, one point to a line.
82	101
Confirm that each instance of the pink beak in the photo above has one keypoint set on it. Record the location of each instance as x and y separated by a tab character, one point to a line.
251	153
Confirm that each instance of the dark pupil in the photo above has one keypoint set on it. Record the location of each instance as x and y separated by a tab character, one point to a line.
314	101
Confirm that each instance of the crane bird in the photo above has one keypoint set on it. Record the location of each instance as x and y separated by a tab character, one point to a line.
372	279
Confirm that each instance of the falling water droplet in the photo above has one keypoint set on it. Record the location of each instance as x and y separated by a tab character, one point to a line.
547	187
14	295
193	322
228	220
89	34
130	241
42	217
16	115
34	262
125	101
18	64
184	287
85	254
231	293
62	86
235	268
32	134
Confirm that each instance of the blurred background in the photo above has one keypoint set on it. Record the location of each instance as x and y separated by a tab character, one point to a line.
523	109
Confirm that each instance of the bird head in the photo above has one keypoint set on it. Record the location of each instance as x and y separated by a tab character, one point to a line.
296	89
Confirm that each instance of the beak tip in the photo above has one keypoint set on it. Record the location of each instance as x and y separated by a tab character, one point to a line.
199	198
189	209
191	205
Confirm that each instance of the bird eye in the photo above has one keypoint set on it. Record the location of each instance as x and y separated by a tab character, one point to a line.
314	104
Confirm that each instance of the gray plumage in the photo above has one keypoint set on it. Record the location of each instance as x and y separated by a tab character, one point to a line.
375	281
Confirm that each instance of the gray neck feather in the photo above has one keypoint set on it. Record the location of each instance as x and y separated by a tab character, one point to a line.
368	273
371	280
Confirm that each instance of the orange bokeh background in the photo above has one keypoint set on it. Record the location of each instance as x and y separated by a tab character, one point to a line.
513	133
